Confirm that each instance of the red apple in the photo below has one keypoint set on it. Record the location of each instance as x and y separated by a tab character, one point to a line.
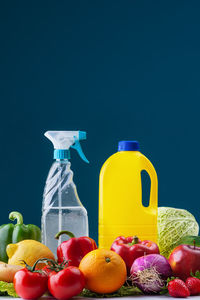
185	259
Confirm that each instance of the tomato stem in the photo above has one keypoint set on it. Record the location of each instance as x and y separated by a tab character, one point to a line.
32	269
37	262
55	266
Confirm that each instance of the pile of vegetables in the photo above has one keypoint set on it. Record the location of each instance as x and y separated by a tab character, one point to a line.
172	266
150	270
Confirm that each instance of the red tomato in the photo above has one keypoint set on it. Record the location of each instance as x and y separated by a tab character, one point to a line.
30	285
66	283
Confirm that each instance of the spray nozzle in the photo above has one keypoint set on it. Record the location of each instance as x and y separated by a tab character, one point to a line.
63	140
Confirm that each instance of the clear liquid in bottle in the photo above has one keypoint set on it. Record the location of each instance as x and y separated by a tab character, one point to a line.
62	209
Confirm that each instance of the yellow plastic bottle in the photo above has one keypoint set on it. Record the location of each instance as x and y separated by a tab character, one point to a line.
121	211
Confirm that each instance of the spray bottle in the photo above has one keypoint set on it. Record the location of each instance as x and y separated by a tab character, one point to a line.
62	209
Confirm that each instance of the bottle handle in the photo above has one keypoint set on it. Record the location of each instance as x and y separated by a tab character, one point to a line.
147	166
77	147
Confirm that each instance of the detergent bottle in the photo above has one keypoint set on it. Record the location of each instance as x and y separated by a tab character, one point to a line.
62	209
121	212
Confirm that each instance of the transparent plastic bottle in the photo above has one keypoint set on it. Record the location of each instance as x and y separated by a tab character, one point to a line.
62	208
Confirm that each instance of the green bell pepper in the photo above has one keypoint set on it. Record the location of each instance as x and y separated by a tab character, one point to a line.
14	233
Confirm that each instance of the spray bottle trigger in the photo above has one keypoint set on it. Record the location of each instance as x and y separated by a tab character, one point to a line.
78	148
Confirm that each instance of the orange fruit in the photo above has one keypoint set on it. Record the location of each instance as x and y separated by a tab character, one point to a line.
104	271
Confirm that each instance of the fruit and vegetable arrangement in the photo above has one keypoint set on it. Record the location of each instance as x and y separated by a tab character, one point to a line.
130	267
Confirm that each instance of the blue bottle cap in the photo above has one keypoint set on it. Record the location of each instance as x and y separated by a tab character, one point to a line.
128	146
61	154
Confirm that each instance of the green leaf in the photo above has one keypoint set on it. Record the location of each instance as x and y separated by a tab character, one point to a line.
171	278
7	289
164	291
122	292
196	274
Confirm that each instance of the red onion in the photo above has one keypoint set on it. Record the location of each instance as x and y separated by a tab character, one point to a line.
149	273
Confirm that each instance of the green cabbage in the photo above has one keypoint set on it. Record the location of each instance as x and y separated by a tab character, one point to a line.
173	224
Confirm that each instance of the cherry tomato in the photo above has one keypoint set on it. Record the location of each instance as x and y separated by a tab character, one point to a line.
30	284
66	283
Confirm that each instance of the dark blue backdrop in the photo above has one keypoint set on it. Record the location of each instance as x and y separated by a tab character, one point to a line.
117	69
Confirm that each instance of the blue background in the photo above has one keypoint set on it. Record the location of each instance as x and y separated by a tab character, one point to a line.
116	69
